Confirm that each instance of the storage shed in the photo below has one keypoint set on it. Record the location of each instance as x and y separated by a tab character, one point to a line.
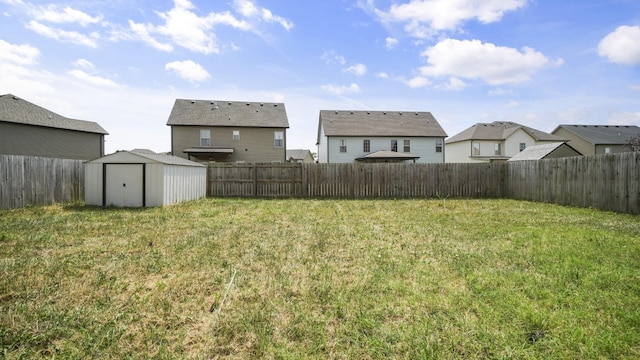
142	178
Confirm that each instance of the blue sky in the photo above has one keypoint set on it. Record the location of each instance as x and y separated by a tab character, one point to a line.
122	63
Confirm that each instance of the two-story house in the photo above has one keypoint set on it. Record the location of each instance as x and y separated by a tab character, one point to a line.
31	130
496	141
598	139
228	131
379	136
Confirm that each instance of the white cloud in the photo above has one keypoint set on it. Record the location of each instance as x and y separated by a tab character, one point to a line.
418	82
249	10
92	79
331	56
357	69
73	37
622	46
339	90
455	84
390	42
382	75
18	54
421	16
183	27
52	13
83	63
188	70
472	59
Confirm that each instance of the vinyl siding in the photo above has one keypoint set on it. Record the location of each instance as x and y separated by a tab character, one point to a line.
423	147
20	139
255	144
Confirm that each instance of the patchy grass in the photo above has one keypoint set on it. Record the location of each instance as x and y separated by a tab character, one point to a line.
432	279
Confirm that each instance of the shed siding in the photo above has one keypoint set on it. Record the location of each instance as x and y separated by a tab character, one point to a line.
20	139
182	183
255	144
93	184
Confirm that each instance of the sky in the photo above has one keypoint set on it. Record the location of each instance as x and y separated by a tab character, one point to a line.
122	63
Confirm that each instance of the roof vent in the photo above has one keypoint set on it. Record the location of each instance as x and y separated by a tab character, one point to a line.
261	104
229	103
193	101
400	113
276	105
336	113
248	104
384	113
229	118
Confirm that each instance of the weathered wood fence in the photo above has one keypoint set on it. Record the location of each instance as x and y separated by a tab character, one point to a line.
29	180
608	182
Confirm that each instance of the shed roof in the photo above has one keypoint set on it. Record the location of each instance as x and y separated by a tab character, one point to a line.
499	130
539	152
379	123
16	110
228	114
603	134
145	156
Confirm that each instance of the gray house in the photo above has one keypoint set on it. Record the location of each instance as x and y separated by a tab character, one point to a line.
379	136
228	131
28	129
598	139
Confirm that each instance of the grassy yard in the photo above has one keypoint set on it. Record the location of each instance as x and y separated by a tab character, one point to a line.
430	279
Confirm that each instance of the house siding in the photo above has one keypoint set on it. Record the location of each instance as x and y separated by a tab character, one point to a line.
255	144
423	147
20	139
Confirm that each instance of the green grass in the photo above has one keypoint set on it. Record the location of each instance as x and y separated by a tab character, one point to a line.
290	279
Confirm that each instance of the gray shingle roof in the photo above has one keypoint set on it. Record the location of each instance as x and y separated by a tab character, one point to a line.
603	134
536	152
499	130
16	110
298	154
228	113
379	123
165	159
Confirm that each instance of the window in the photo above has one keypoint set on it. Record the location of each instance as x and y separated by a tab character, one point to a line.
205	137
476	149
366	145
438	146
236	135
407	146
278	138
523	146
607	150
498	149
394	145
343	145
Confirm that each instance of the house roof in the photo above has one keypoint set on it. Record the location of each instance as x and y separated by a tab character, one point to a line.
379	123
16	110
539	152
386	154
228	114
603	134
148	155
298	154
499	130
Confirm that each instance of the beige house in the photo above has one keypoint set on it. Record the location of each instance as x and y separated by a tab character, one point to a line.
228	131
496	141
598	139
31	130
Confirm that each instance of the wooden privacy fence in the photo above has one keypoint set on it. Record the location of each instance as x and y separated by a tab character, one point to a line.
607	182
29	180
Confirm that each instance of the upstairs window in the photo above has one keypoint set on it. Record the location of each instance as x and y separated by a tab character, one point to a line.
343	145
438	146
278	138
523	146
498	149
407	146
236	135
476	149
607	150
205	137
366	145
394	145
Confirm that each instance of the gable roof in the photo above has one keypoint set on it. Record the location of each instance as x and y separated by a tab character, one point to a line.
228	114
539	152
16	110
500	130
603	134
124	156
379	123
298	154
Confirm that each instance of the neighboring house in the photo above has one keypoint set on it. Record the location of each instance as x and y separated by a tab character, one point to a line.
379	136
299	156
228	131
28	129
496	141
598	139
546	151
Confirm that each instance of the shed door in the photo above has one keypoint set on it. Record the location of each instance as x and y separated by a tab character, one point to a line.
124	185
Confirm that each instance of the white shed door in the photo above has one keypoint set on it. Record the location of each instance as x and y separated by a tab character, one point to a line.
124	185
